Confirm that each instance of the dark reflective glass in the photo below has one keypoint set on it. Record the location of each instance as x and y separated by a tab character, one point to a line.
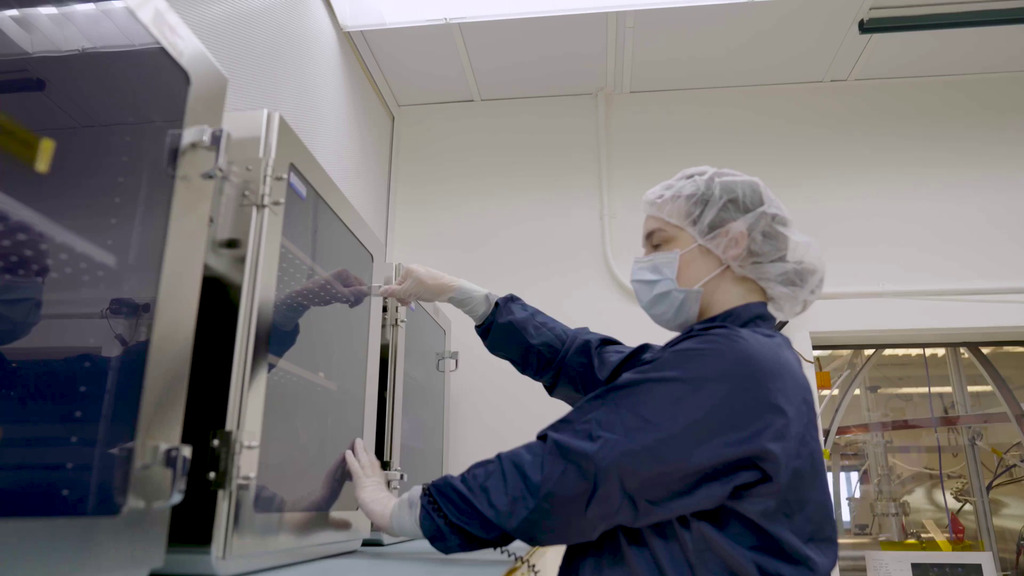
81	249
319	342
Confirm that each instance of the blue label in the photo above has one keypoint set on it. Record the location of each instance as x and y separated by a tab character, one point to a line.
296	184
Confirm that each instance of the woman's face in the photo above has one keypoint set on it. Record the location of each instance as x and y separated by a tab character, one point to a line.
694	266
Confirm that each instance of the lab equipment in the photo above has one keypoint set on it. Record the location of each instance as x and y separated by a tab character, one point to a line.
929	439
734	457
284	377
412	410
98	211
739	219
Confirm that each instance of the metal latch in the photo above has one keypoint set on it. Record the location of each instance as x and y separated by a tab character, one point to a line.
447	355
203	137
394	477
174	457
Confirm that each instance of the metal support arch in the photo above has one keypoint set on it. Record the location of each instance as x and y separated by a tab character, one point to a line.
986	527
847	394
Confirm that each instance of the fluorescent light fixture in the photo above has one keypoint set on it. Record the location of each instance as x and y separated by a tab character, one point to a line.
879	24
11	12
47	10
85	6
371	14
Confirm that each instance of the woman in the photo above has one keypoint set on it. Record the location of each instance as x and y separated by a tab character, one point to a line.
701	456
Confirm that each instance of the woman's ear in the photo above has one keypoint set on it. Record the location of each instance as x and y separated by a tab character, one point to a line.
735	244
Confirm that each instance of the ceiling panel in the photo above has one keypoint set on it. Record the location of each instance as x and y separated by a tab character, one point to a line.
550	56
421	63
780	42
943	53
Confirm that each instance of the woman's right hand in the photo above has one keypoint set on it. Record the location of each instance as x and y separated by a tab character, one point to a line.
421	284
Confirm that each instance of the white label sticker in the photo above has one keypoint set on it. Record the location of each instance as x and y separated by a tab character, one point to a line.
296	184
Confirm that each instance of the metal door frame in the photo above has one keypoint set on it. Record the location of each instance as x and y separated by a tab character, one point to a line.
259	544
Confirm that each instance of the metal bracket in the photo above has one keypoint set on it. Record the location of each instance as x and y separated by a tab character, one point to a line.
447	355
394	477
202	137
177	458
222	458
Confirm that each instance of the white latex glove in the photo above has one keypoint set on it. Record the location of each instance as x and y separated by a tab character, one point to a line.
421	284
375	500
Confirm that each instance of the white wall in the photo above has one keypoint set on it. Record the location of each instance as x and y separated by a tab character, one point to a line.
288	55
906	184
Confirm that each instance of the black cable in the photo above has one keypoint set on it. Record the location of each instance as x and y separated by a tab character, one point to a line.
519	560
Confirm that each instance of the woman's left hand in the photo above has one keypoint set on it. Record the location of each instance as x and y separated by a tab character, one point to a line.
375	500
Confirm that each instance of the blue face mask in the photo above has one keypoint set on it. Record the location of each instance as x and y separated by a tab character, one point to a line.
21	302
656	289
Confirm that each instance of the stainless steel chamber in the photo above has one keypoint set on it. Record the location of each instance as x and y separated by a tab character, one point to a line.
108	144
284	377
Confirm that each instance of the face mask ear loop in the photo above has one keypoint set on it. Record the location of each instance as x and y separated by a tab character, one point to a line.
713	274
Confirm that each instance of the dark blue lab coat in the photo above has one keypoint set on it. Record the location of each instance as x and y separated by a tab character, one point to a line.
697	457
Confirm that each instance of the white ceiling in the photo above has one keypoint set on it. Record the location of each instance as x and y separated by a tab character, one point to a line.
744	44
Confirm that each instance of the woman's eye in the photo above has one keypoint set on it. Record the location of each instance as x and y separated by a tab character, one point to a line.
655	247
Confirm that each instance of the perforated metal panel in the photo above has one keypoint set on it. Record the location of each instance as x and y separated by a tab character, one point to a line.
288	55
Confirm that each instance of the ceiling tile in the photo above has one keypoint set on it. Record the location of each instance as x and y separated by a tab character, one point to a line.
943	53
753	43
551	56
421	63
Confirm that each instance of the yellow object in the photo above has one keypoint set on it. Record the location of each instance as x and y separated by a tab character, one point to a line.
824	380
827	453
931	546
26	146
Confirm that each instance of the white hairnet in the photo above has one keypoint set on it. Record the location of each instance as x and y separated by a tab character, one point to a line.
724	209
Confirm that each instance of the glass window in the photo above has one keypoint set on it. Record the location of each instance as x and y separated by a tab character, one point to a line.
319	346
423	400
81	248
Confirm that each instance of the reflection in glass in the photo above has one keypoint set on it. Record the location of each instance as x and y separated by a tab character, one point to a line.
423	400
81	249
316	384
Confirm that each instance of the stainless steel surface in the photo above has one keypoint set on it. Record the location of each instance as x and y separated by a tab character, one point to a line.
244	539
250	533
982	507
134	542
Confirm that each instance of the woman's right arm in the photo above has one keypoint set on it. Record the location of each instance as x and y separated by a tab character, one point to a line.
571	363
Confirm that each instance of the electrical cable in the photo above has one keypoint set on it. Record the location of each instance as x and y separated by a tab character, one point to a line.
938	440
519	559
925	470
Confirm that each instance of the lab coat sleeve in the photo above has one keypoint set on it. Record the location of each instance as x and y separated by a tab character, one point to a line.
632	455
281	340
570	363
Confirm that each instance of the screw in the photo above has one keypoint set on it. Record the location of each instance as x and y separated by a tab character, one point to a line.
215	443
211	476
